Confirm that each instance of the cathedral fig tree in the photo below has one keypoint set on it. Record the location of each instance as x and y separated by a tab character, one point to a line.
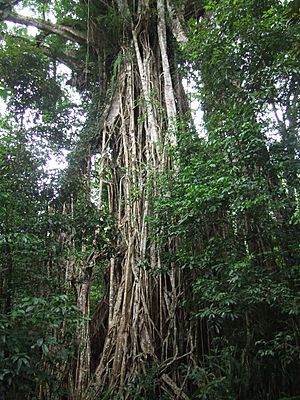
126	54
162	260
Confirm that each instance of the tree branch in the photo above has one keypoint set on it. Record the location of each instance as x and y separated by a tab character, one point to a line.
67	58
62	30
64	58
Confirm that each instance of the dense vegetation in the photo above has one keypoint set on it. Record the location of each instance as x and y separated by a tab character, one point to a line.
161	262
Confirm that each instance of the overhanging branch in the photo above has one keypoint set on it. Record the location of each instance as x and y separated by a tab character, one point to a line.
62	30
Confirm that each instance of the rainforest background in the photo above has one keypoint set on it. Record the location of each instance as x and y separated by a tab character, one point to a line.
159	257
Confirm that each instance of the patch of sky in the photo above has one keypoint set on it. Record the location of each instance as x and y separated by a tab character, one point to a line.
195	105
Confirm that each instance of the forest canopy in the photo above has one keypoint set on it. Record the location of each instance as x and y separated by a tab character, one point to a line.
153	262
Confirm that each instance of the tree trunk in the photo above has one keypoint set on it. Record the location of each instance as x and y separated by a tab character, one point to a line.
140	323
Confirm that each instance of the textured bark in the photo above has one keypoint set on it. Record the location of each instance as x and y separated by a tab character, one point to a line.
144	322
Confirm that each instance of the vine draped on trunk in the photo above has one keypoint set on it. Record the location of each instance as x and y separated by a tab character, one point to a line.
145	322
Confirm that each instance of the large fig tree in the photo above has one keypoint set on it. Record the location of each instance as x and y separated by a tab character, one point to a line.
126	54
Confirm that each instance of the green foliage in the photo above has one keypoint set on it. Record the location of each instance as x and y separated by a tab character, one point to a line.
22	210
229	228
70	9
39	219
32	342
249	65
143	387
232	203
25	77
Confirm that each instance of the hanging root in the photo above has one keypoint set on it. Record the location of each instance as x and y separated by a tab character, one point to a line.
140	322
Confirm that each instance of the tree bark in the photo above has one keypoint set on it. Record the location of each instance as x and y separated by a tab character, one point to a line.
61	30
146	324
